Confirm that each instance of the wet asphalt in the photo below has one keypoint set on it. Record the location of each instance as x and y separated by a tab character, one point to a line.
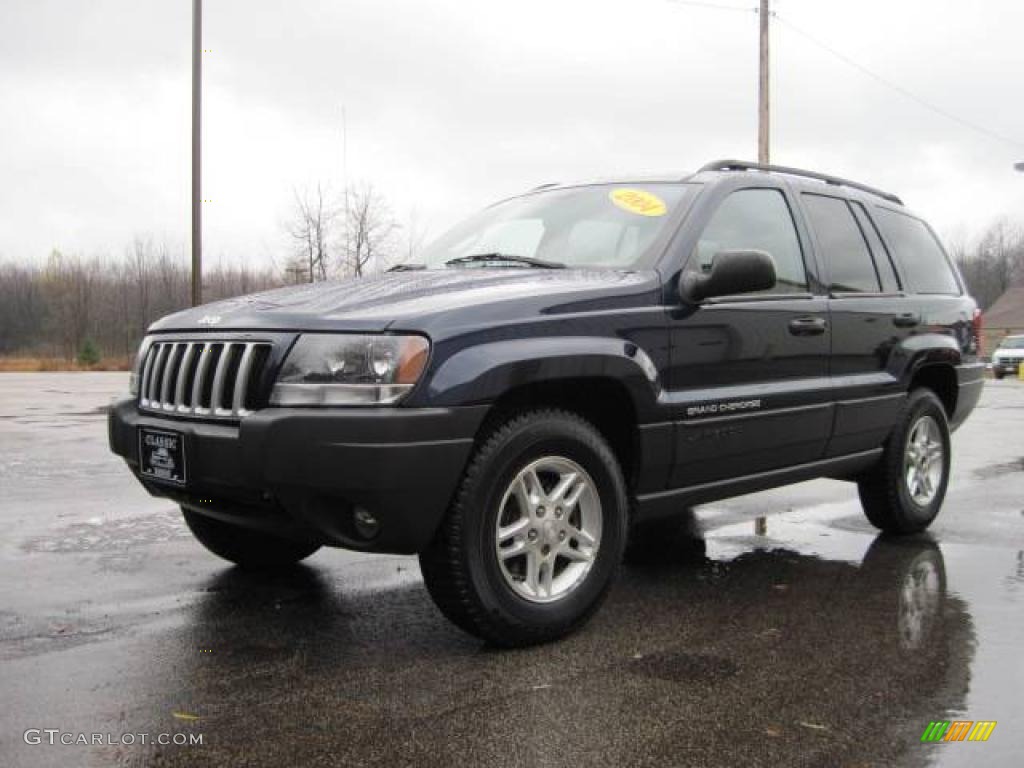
817	644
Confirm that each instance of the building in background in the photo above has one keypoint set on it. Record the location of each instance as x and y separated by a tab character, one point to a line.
1003	318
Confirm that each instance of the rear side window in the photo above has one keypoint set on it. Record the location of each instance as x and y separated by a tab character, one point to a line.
882	261
917	252
845	251
756	219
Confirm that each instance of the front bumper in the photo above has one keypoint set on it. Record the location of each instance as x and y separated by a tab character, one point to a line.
302	472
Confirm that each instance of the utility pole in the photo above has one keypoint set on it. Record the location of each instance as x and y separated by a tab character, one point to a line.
344	185
763	113
763	142
197	101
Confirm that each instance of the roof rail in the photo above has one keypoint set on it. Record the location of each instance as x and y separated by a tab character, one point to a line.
740	165
549	185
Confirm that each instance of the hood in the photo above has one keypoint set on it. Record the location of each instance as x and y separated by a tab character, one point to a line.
410	300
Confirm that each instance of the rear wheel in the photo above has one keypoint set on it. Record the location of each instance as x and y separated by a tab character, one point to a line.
904	491
997	373
245	547
535	534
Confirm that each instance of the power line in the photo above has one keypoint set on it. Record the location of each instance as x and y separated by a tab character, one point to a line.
896	87
905	92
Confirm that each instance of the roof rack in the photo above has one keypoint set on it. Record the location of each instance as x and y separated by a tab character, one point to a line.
740	165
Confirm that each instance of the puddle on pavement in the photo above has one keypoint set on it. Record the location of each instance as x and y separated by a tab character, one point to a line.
99	535
730	647
997	470
778	637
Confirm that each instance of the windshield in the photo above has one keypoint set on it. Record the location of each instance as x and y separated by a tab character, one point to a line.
605	226
1016	342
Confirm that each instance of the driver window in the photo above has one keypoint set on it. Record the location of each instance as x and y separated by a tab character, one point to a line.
756	219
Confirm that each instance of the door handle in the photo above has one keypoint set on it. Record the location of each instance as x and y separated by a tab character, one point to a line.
906	320
807	326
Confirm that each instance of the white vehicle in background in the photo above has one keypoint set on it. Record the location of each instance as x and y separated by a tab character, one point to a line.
1008	356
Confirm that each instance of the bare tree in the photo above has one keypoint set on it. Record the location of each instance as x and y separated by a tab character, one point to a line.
139	258
23	309
58	307
67	287
310	231
994	264
368	240
415	236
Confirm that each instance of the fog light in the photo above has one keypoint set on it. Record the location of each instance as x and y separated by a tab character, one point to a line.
366	524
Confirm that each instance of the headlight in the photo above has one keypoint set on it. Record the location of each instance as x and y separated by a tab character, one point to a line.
133	378
337	369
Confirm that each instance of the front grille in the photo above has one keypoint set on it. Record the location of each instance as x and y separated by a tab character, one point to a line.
208	380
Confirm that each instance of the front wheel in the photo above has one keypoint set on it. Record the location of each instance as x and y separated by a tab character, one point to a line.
904	491
997	373
253	550
534	536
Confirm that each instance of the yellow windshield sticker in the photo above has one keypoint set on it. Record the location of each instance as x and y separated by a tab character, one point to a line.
638	201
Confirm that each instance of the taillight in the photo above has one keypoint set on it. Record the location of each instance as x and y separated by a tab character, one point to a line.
978	325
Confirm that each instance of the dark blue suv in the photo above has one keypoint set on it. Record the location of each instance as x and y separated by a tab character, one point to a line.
564	370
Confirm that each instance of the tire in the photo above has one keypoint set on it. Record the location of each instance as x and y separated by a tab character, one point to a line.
537	595
886	493
998	374
253	550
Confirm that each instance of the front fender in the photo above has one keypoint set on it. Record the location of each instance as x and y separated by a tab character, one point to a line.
482	373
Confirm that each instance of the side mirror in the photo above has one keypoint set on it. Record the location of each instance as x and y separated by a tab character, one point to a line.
731	272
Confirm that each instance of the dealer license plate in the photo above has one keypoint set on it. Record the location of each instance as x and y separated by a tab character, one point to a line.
162	455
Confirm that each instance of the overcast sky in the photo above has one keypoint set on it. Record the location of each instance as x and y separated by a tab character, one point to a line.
451	104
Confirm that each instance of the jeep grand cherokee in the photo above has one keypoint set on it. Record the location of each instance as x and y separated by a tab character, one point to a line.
567	368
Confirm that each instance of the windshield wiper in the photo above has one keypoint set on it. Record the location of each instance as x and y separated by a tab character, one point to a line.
406	267
508	258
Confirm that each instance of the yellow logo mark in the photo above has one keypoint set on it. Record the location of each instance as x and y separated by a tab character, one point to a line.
958	730
638	201
982	730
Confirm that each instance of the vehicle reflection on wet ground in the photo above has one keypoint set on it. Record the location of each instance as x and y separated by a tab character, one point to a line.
818	643
758	658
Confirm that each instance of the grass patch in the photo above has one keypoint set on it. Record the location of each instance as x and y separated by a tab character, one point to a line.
37	364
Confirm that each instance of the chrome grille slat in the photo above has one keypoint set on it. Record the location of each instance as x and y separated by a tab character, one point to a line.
183	369
217	395
197	387
176	375
165	386
242	379
147	369
154	382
